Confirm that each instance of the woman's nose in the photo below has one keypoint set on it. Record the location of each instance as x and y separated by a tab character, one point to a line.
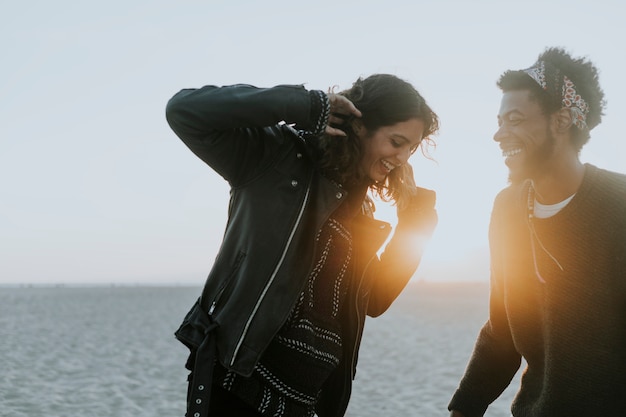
404	154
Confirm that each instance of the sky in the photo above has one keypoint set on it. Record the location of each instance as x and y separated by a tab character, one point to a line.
95	188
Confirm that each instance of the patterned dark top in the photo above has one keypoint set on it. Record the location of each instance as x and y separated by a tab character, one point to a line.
287	380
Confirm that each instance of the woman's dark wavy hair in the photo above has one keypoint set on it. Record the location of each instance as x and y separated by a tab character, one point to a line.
583	74
383	100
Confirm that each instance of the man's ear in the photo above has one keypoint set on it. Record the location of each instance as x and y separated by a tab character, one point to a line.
563	119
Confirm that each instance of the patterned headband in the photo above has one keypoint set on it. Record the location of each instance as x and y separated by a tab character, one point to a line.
569	97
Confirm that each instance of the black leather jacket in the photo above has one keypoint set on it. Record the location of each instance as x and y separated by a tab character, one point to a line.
278	201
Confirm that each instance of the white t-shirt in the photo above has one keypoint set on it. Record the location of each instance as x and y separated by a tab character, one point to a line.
543	211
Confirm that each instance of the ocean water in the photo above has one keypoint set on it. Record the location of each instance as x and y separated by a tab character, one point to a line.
92	352
110	352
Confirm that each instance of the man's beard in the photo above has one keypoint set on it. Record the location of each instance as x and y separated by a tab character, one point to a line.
537	163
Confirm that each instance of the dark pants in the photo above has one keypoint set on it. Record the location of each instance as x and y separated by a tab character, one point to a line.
225	404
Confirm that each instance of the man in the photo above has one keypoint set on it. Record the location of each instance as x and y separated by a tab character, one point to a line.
558	255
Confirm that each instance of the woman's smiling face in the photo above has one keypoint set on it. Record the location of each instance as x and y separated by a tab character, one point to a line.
389	147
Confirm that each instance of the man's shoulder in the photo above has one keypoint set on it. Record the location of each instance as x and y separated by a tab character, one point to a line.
617	176
510	203
513	194
611	180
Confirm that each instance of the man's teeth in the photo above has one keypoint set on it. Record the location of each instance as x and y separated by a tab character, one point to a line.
511	152
388	165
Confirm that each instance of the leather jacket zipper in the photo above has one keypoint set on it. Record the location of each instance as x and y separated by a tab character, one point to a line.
226	283
271	280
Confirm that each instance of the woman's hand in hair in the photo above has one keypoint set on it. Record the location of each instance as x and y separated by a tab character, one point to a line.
342	111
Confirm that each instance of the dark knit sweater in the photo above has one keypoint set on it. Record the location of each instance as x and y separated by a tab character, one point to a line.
571	330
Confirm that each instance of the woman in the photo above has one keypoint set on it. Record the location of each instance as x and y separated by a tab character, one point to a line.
283	308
